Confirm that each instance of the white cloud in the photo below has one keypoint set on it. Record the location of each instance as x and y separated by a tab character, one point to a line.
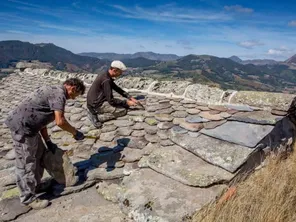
64	28
292	23
167	13
17	32
24	3
238	8
250	44
282	51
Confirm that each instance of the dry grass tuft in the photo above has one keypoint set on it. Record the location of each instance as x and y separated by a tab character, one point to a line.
268	195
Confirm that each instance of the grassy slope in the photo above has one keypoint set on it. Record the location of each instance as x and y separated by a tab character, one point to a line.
268	195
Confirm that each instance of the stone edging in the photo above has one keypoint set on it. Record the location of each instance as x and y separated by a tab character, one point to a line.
182	89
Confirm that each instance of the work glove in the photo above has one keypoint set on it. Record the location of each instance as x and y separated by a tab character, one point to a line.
51	146
79	135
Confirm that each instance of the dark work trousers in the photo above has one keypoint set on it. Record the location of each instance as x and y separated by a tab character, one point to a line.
107	112
29	151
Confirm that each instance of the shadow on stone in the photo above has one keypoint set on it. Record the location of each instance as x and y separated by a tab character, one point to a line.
106	157
140	97
70	178
279	141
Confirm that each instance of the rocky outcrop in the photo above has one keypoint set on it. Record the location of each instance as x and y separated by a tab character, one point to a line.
164	162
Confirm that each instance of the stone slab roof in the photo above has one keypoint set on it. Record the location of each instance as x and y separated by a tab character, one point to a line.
179	153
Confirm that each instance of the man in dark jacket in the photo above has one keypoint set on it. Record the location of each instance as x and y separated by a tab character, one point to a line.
27	122
101	104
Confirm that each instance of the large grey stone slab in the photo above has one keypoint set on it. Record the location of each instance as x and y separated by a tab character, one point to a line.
150	196
185	167
244	134
12	208
257	117
227	155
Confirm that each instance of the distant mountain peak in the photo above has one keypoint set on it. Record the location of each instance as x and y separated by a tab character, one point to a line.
291	60
235	59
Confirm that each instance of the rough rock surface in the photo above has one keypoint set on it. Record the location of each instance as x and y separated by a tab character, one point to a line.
149	196
157	164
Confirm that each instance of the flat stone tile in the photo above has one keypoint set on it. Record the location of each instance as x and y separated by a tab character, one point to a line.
244	134
227	155
185	167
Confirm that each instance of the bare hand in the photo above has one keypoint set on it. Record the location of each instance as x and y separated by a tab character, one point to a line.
131	103
134	100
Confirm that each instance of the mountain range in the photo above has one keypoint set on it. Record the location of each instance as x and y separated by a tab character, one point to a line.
257	62
226	73
147	55
13	51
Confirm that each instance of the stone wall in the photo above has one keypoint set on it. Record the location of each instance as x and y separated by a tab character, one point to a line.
183	89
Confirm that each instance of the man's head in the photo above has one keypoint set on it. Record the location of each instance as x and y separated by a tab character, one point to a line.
75	87
117	68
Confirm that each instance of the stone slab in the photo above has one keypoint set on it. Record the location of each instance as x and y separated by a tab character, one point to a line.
150	196
185	167
11	208
256	117
227	155
244	134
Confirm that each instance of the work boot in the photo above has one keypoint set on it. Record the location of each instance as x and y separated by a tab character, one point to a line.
44	186
94	120
38	204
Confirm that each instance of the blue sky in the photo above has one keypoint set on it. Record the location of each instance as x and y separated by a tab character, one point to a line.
248	29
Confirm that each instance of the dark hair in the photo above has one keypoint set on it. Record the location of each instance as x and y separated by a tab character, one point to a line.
80	87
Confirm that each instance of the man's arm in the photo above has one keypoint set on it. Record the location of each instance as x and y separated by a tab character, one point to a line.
131	100
57	105
109	95
44	134
120	90
63	123
50	145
